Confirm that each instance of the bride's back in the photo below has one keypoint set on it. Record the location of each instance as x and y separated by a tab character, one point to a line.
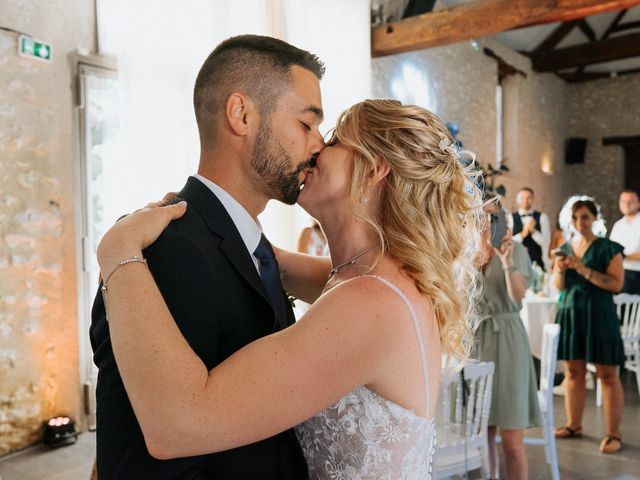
383	429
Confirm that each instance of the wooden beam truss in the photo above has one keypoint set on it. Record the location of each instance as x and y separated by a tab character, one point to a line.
480	19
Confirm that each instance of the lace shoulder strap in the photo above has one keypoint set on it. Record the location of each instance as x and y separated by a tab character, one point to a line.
416	325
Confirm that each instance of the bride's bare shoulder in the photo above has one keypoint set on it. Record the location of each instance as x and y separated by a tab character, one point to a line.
367	299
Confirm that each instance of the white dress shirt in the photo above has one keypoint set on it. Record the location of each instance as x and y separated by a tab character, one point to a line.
249	228
627	234
542	237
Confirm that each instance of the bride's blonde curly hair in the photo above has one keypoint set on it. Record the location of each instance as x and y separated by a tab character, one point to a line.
431	209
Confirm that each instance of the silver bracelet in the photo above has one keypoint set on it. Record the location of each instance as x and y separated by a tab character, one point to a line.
511	269
134	259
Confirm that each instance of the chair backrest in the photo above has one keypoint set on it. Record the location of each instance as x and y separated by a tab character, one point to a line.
550	338
628	307
463	410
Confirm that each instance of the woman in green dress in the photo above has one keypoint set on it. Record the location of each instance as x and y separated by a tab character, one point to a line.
501	338
587	272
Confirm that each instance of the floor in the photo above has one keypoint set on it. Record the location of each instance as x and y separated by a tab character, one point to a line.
579	458
39	463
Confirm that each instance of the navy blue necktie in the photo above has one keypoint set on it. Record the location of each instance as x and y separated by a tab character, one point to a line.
270	274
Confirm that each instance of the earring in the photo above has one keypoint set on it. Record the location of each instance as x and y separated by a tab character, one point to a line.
364	200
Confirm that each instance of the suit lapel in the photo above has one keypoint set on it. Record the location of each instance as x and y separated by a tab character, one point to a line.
220	223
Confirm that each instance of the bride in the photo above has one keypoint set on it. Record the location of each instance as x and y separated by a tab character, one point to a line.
360	371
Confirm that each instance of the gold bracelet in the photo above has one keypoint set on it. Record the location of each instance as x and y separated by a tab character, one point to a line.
134	259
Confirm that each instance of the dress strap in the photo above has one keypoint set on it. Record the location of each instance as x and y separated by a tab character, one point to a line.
416	324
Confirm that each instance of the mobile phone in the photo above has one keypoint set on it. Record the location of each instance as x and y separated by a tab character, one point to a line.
564	250
498	228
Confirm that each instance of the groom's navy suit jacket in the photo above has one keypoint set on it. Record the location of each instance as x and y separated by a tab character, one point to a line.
212	287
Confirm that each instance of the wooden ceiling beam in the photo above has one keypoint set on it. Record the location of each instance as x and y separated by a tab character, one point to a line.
611	28
583	76
579	77
591	35
587	30
479	19
555	37
615	48
627	26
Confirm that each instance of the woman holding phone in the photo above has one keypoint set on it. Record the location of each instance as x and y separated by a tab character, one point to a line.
502	339
588	272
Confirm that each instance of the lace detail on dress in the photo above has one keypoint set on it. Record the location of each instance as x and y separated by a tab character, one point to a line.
366	436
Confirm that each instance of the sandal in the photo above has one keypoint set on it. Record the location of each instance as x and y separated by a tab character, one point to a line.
611	444
568	432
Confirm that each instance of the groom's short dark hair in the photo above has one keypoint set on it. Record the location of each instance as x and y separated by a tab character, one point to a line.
256	65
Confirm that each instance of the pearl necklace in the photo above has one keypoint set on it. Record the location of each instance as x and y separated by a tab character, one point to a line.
350	261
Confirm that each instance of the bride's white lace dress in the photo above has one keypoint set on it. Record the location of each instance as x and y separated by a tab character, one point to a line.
366	436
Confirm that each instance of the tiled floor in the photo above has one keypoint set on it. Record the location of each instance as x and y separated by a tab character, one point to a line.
579	458
39	463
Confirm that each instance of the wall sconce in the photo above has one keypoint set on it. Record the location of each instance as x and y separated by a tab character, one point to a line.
59	431
547	165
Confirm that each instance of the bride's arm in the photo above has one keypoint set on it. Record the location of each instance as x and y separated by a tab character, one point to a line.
303	275
265	388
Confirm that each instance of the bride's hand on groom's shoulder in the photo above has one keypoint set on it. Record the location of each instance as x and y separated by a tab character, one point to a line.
135	232
167	199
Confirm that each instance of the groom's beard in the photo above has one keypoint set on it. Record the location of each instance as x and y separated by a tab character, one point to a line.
272	162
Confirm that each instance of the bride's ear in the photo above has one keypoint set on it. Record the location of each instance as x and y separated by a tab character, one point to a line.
381	171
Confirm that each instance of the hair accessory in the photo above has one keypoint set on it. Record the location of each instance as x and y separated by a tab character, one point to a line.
447	147
364	200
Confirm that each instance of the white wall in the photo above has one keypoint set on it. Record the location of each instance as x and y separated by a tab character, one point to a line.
458	83
160	46
339	33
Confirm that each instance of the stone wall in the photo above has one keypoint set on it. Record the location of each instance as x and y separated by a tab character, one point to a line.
39	371
598	109
460	82
540	112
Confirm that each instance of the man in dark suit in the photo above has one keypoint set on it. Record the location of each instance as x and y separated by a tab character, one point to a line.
531	228
258	109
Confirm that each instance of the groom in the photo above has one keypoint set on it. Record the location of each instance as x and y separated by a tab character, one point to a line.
258	109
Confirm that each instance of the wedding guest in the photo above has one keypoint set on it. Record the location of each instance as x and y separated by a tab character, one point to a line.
312	240
626	232
501	338
589	326
531	228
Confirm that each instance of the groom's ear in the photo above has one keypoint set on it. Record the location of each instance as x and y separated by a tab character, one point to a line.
239	112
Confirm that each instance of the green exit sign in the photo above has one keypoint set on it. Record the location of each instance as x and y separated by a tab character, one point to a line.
29	47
